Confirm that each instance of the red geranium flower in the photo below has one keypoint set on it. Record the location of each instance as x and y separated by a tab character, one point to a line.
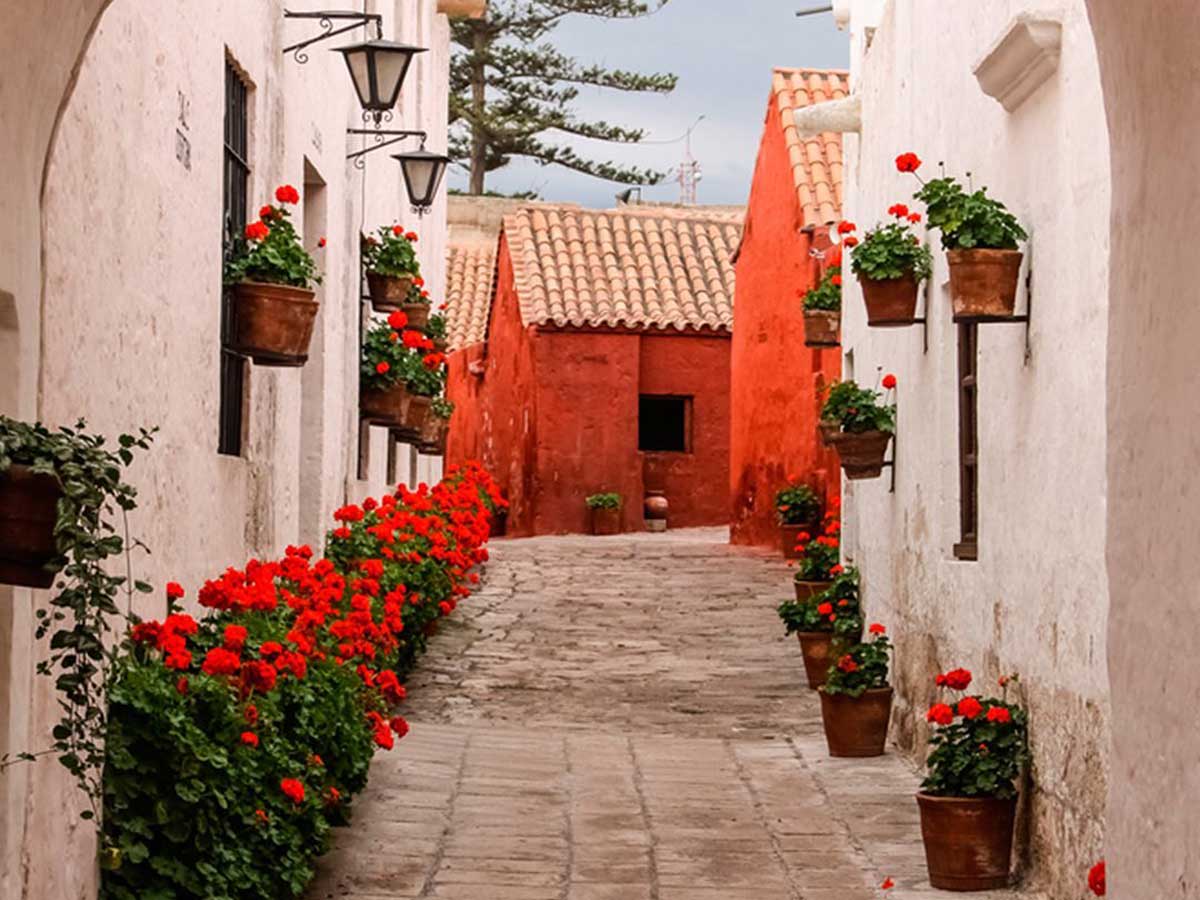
940	713
250	714
249	738
825	608
1097	878
287	194
257	231
398	319
399	725
850	241
845	227
412	236
836	570
969	707
382	367
219	661
889	381
914	217
292	789
235	637
836	280
957	679
899	210
999	714
174	590
908	162
182	685
877	629
887	885
847	664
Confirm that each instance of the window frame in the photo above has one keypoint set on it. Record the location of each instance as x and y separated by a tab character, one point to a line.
967	547
687	401
234	215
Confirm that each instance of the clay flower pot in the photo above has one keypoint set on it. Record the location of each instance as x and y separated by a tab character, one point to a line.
416	413
28	510
822	327
788	535
861	453
418	314
968	841
857	726
433	435
890	302
606	521
388	292
827	429
271	323
655	509
806	590
817	647
385	407
983	283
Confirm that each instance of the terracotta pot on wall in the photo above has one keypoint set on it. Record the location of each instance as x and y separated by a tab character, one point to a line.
655	509
817	647
416	413
890	302
822	328
861	453
28	510
983	283
606	521
418	314
271	323
857	726
433	434
806	590
968	841
384	407
388	292
789	533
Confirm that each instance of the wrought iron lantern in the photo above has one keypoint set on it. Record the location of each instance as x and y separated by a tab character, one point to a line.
378	68
423	173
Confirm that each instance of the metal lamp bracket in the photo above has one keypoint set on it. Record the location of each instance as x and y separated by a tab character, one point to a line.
326	18
394	137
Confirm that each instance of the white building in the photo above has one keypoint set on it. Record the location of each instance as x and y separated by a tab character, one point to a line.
990	554
120	121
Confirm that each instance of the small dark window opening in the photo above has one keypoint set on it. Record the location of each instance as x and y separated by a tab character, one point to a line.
665	424
968	442
233	222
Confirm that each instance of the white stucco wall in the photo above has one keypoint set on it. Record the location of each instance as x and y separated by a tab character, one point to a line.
1035	602
121	324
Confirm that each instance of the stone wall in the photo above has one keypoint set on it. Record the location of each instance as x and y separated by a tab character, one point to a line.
1036	600
111	285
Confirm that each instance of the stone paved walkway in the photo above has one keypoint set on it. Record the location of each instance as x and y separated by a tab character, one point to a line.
622	719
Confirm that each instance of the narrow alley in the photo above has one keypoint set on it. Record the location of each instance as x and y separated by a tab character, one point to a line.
623	719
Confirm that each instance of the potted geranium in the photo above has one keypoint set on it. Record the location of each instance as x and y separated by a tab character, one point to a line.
604	511
799	511
270	277
856	699
823	305
968	800
866	423
817	564
820	620
437	424
980	237
435	330
890	263
390	260
417	305
400	375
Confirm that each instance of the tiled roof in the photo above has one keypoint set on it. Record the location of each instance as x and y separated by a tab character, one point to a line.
634	267
470	282
816	161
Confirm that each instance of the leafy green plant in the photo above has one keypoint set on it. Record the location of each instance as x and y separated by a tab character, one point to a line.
979	744
797	504
603	501
435	327
860	666
392	354
967	219
818	561
858	409
391	251
91	532
828	294
893	250
836	610
270	251
442	408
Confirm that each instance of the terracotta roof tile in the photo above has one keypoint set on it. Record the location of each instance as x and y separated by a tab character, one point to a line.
816	161
636	267
470	283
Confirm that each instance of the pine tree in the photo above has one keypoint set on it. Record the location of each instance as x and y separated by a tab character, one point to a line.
509	86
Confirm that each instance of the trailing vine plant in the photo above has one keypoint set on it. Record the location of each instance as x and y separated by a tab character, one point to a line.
91	532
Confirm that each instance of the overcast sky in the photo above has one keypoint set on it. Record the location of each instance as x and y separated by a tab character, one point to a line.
723	53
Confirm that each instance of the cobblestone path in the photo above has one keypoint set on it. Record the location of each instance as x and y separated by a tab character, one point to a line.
623	719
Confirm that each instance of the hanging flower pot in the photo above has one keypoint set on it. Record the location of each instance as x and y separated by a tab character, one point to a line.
271	306
604	513
271	323
418	314
856	726
827	428
983	283
806	590
889	303
822	328
862	453
968	840
968	800
388	292
416	413
436	426
28	511
823	305
386	406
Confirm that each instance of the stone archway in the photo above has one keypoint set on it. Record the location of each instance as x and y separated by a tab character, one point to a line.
1151	78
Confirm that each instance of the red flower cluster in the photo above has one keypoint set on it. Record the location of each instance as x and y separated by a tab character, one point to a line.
956	680
908	162
287	194
1097	878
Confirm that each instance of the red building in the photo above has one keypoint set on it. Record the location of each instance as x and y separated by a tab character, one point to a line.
595	359
795	195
